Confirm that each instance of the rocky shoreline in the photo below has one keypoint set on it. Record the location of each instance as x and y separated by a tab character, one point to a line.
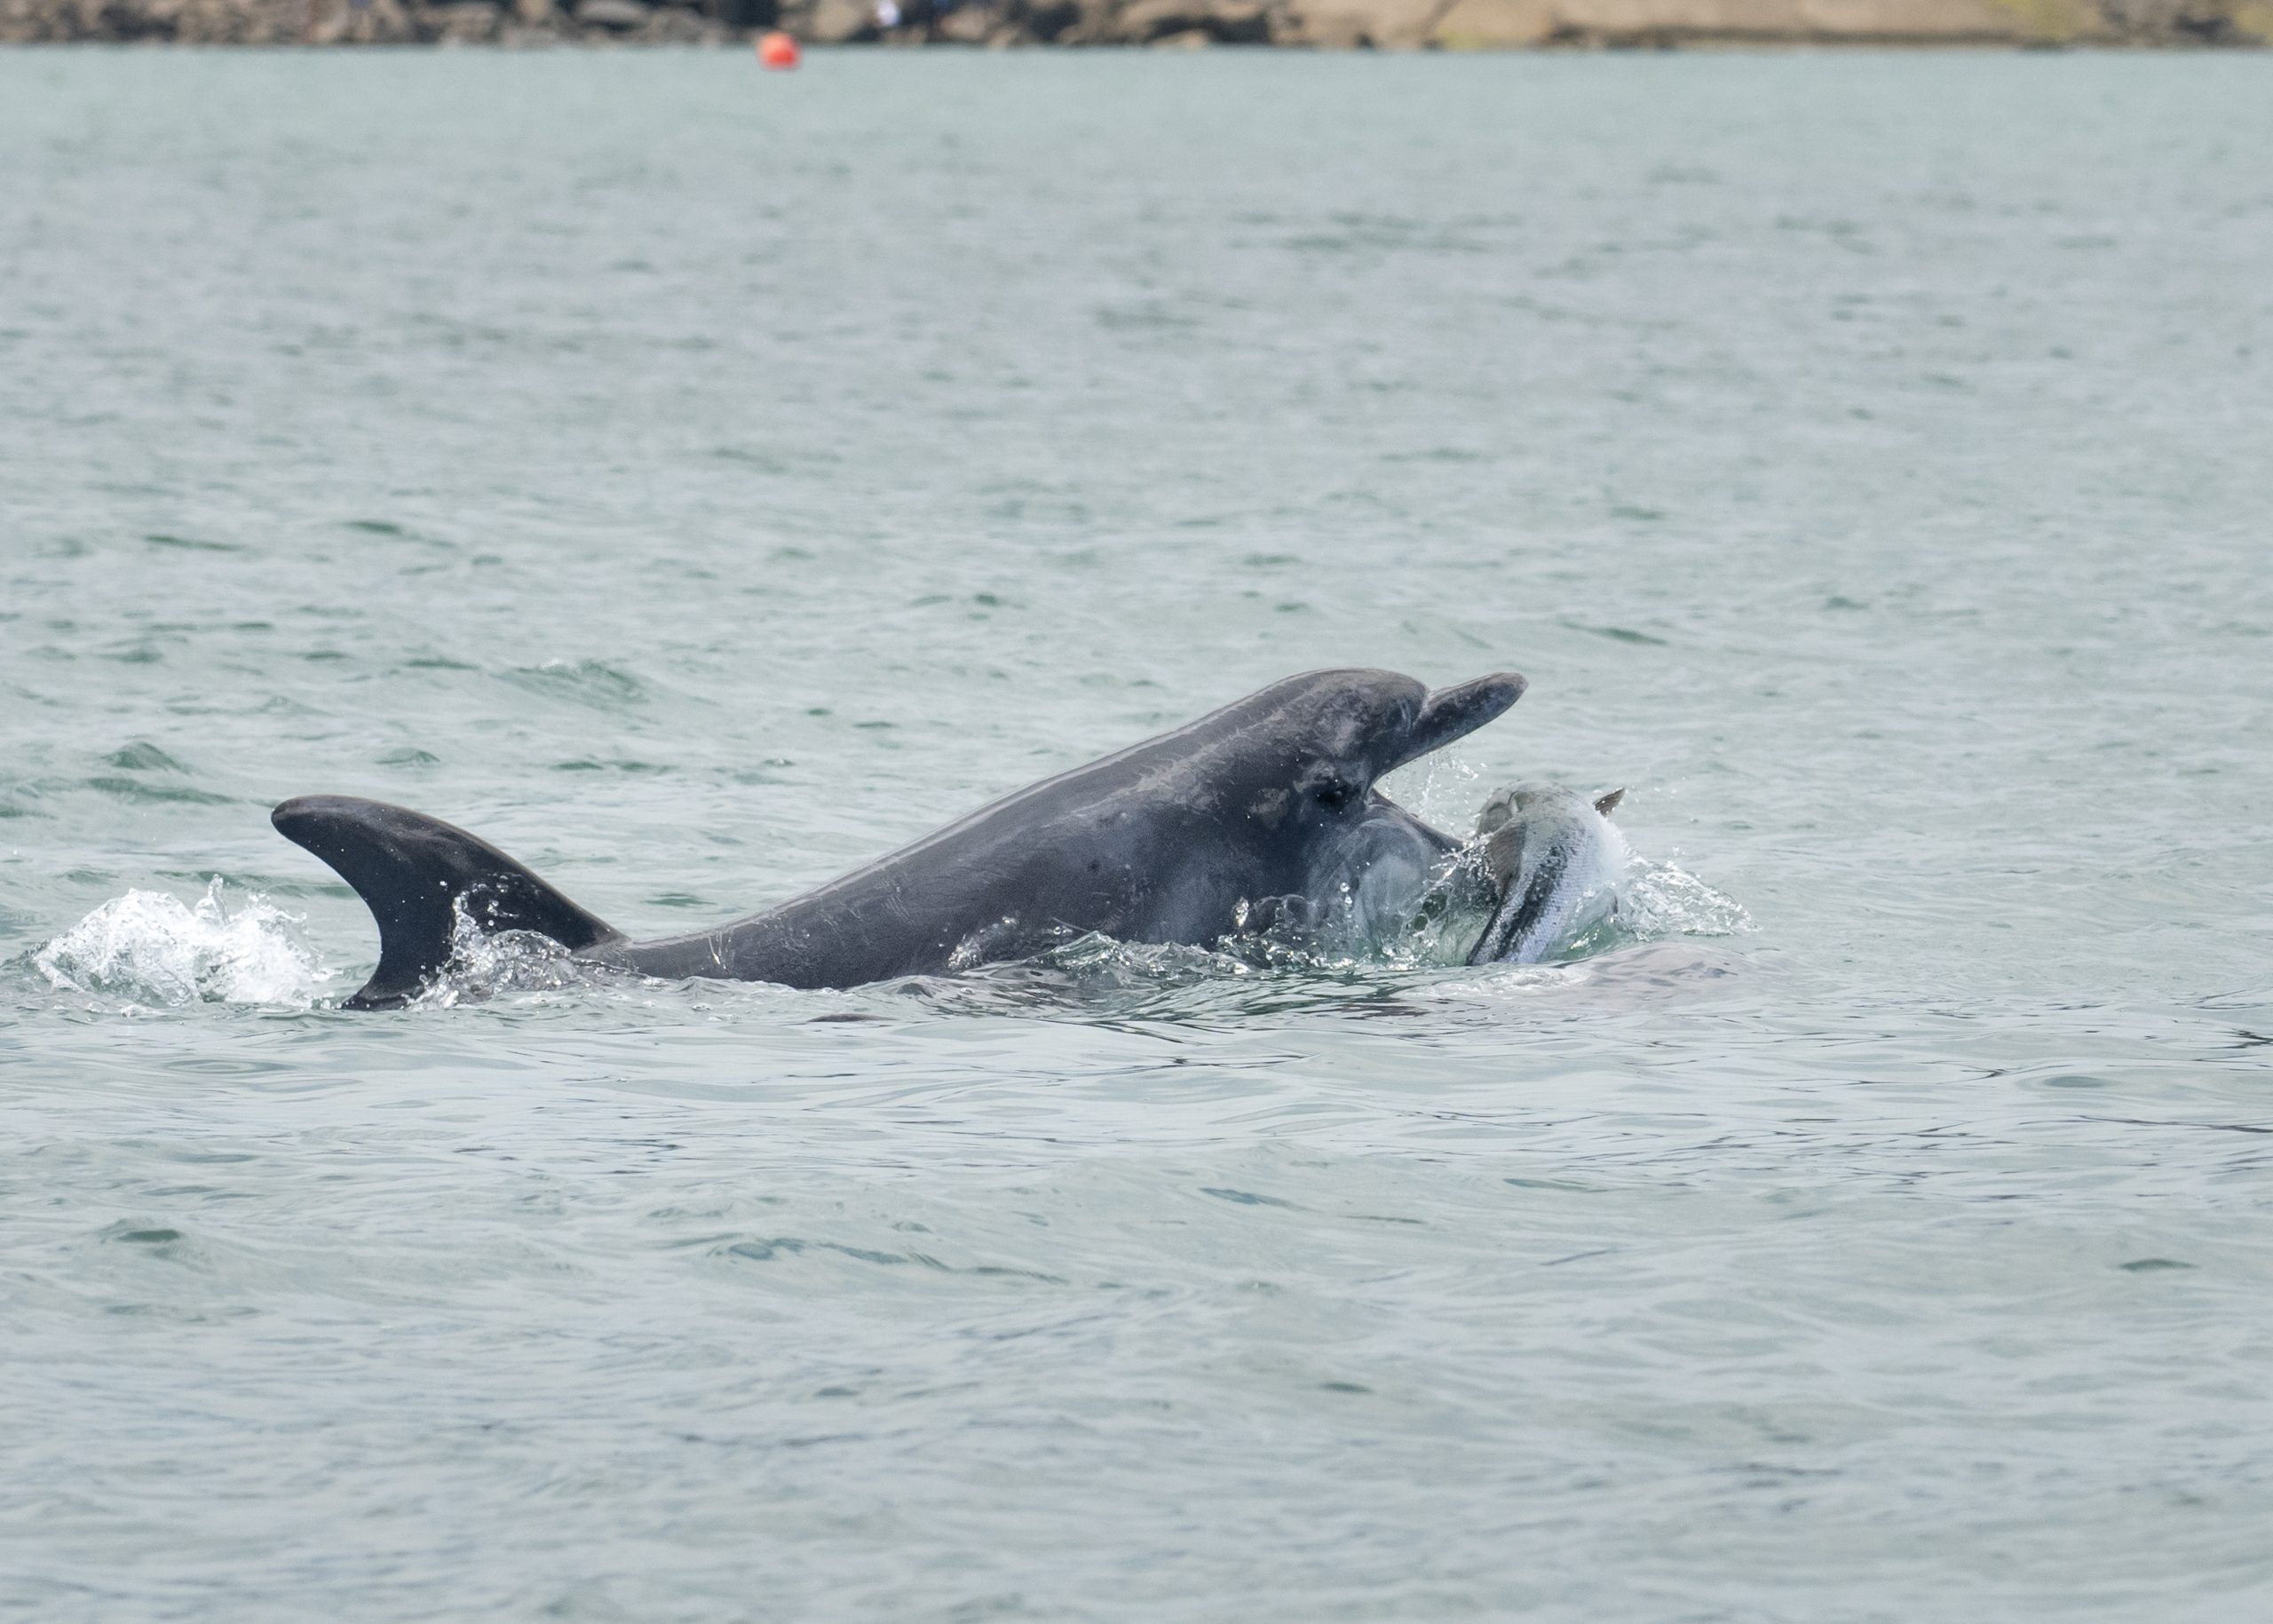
1329	24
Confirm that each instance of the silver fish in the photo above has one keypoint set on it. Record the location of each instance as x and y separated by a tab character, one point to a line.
1555	860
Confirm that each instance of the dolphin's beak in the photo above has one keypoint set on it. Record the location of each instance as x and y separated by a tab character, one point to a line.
1455	713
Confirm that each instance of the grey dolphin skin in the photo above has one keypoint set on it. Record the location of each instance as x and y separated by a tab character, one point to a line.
1169	841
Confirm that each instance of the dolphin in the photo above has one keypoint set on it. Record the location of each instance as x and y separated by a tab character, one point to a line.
1183	838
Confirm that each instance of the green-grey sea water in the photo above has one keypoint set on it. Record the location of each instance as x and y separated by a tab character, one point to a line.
699	481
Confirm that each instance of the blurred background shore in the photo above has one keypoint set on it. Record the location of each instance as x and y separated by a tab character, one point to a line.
1327	24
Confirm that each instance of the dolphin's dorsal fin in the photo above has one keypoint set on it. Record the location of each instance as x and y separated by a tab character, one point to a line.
417	873
1607	802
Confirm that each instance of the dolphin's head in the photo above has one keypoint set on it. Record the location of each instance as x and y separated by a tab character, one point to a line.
1326	736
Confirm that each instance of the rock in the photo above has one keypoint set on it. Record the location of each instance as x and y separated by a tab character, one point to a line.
1672	22
1494	25
967	24
1041	20
835	22
679	25
468	22
1242	22
612	14
1343	24
382	22
1074	22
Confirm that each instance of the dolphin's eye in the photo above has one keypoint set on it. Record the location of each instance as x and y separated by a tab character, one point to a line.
1330	784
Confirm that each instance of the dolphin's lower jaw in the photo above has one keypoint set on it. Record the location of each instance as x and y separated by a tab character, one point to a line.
1157	842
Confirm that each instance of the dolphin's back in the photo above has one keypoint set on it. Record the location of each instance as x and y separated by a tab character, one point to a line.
1110	846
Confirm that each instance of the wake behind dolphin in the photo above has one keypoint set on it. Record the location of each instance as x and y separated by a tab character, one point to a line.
1183	838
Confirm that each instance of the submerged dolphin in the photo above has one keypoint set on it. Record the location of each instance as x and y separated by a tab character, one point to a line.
1169	841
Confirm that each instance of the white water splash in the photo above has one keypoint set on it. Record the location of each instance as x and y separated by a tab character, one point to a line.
1443	787
148	948
1660	900
483	965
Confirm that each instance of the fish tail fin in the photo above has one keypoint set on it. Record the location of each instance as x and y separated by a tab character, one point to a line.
418	875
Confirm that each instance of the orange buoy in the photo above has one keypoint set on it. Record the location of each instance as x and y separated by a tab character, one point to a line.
777	49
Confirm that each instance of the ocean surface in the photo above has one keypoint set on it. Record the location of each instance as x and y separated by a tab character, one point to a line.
698	482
